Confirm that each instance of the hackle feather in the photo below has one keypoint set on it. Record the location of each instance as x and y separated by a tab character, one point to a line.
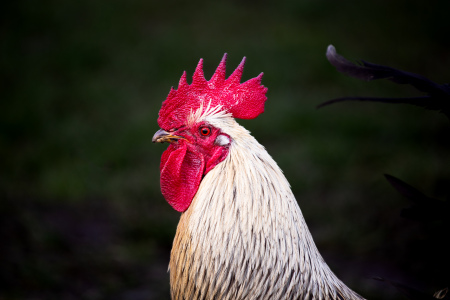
244	236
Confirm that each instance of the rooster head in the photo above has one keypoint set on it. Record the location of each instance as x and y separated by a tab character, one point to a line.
196	146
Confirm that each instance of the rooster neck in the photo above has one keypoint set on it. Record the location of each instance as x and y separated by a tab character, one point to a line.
244	236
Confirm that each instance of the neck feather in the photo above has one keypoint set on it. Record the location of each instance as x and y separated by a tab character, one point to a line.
244	236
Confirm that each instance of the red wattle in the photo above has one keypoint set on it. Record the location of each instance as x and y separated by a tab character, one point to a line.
181	173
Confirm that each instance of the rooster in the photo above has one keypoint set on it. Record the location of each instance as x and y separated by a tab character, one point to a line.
241	233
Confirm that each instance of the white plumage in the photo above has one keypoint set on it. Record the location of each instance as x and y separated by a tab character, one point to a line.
244	236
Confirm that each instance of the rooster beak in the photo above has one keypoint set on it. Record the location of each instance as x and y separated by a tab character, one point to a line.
162	136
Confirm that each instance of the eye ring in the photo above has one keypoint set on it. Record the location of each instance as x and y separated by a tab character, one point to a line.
205	131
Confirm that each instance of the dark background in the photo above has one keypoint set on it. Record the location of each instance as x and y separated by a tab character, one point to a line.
81	213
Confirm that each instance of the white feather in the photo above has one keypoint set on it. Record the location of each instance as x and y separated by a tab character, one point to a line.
244	236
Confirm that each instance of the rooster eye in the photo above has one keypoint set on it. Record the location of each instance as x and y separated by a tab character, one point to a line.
205	131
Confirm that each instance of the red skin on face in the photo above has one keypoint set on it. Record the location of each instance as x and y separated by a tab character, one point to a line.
185	162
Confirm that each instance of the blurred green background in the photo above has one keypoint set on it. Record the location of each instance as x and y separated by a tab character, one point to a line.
81	213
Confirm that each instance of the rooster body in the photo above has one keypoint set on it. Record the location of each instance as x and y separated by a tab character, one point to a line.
241	233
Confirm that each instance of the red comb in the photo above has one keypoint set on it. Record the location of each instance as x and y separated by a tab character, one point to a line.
242	100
